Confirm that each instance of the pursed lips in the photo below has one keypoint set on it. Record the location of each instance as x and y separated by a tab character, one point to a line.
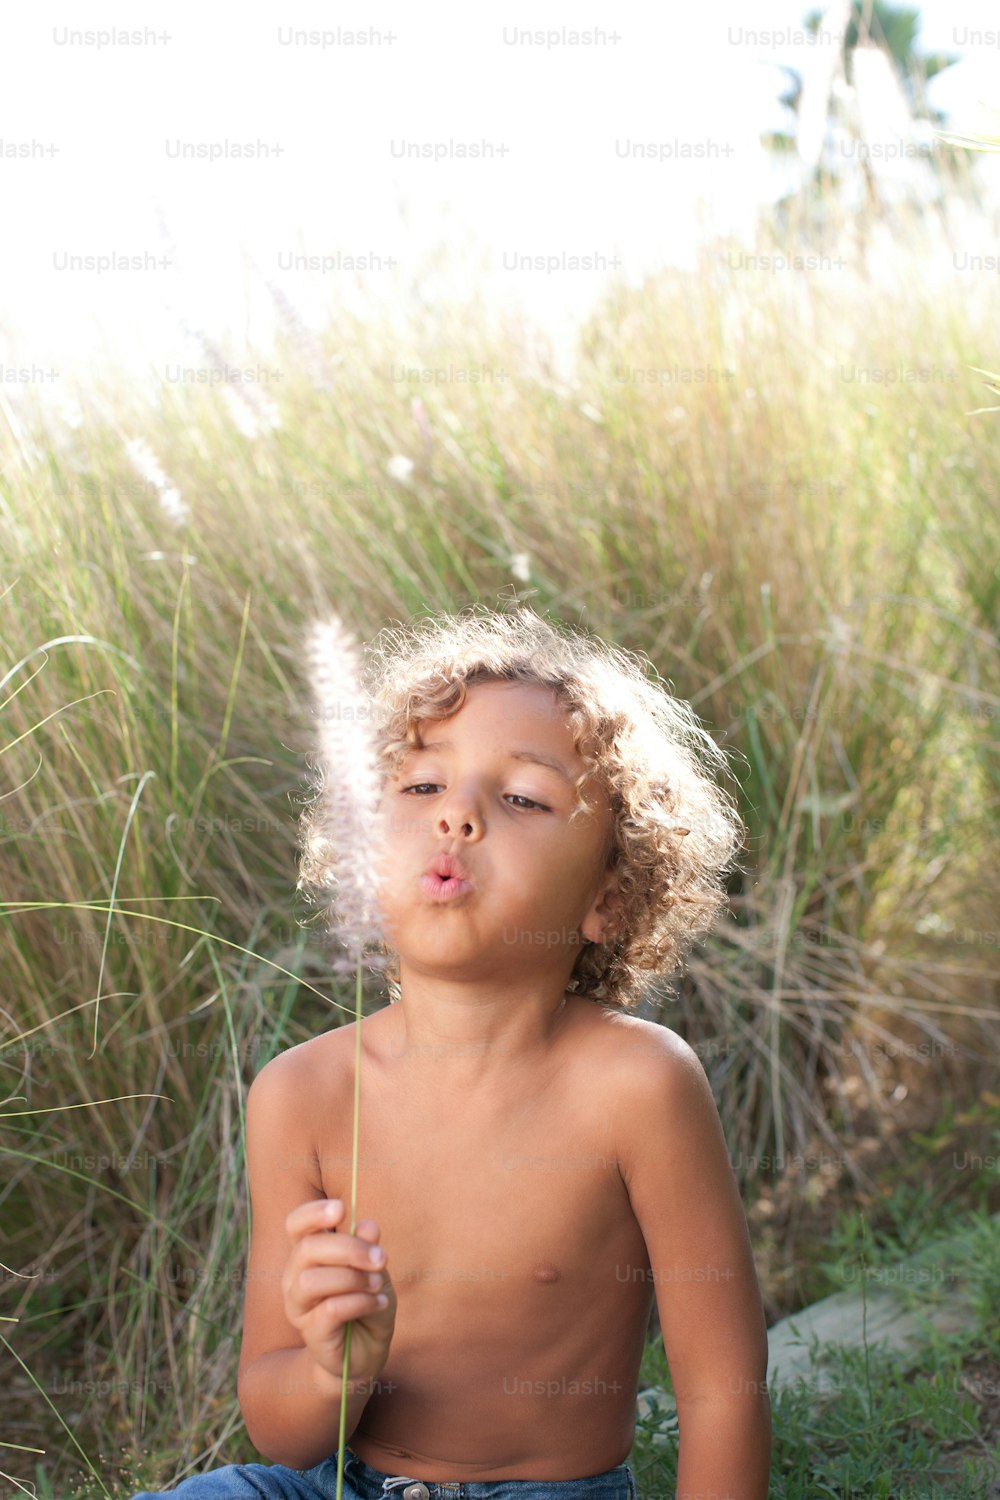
447	867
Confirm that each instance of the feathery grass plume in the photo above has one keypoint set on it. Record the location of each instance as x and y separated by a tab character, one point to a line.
144	460
302	339
252	411
341	831
342	841
419	413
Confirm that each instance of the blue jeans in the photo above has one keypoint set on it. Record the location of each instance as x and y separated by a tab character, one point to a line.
362	1482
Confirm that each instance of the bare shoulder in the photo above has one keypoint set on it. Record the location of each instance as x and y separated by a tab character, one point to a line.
299	1071
656	1089
643	1047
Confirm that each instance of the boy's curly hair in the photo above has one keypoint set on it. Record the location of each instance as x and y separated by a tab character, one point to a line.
676	833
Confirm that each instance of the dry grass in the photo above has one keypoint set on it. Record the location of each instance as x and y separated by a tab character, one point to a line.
809	559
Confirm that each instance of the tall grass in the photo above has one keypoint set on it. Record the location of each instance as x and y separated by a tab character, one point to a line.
809	556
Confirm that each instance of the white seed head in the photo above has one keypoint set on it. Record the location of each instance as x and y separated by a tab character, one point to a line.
400	467
343	832
144	461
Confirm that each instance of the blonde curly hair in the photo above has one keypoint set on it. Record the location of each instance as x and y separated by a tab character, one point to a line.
675	832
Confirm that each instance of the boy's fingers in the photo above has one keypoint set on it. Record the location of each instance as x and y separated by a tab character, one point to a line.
327	1213
308	1218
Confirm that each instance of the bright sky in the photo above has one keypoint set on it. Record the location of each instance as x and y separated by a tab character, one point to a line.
679	78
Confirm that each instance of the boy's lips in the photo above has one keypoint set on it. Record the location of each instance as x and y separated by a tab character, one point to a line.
447	867
445	878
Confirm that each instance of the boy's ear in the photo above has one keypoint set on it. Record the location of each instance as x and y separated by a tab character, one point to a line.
600	924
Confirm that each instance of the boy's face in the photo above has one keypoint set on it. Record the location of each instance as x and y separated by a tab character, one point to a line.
539	882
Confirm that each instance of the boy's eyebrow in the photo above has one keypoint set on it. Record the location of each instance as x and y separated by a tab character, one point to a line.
538	757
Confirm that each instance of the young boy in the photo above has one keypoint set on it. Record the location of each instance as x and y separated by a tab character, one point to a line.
535	1163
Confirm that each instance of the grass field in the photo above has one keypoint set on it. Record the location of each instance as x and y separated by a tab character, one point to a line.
767	481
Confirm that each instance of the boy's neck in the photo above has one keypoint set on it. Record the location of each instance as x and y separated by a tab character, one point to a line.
444	1032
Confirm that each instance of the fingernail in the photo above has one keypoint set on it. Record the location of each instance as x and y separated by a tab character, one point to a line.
376	1255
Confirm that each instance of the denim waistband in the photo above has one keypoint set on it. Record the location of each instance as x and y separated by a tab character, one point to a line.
372	1484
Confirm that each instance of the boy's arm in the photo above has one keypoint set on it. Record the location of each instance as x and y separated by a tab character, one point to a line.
684	1195
290	1404
287	1387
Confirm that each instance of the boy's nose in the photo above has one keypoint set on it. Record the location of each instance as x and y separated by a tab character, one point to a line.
462	822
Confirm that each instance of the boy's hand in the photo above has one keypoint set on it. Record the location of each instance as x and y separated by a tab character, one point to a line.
327	1284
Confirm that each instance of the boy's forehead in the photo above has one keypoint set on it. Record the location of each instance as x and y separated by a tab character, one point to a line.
508	705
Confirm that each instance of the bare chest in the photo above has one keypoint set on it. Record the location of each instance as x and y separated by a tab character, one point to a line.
484	1205
513	1251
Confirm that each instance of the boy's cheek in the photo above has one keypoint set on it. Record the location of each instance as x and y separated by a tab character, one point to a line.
399	823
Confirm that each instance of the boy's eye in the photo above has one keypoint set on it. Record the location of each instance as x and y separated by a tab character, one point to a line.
420	785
